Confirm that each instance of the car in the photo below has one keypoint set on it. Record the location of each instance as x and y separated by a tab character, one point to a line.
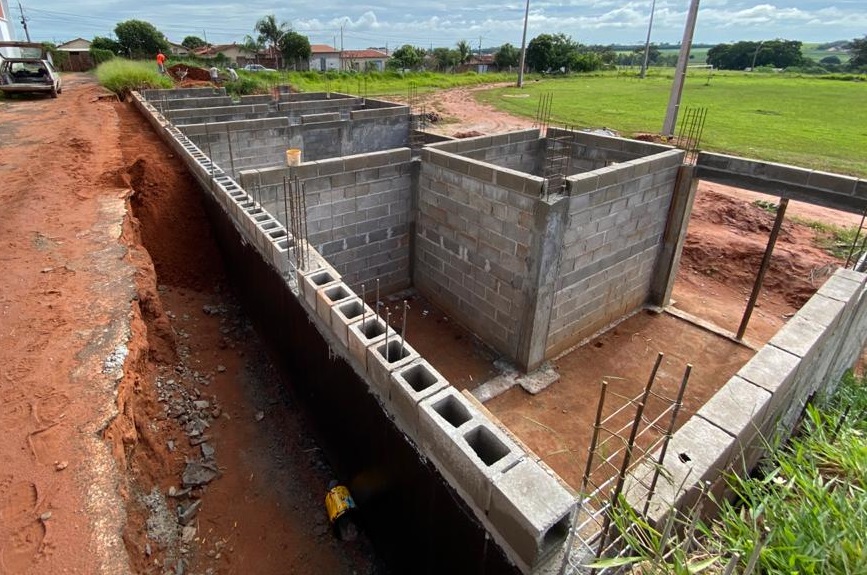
27	68
258	68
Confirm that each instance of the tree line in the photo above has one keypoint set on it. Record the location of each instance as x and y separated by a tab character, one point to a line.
784	54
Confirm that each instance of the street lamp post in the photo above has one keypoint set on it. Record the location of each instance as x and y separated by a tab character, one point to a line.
756	55
523	47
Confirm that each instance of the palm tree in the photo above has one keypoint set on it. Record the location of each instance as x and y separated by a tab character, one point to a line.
464	51
270	33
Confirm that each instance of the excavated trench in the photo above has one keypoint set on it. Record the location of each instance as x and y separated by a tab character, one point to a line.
229	475
249	414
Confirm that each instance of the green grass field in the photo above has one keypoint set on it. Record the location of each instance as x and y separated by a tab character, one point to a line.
810	122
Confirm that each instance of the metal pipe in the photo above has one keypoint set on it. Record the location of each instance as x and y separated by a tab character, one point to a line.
763	268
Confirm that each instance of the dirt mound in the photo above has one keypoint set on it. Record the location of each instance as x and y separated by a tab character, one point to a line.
797	267
181	72
470	134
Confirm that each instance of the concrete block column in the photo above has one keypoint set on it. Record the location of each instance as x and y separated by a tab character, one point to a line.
668	261
550	220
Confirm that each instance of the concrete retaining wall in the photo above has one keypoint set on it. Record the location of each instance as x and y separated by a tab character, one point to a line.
522	151
473	241
760	404
358	210
616	219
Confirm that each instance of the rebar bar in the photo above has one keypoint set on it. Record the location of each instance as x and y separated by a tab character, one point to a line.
403	328
387	323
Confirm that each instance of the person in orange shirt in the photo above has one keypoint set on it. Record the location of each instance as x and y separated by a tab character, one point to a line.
161	62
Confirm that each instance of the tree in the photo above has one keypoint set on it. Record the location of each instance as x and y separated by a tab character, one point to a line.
464	52
551	52
407	57
507	56
103	43
193	42
295	47
445	58
742	55
139	39
858	51
270	32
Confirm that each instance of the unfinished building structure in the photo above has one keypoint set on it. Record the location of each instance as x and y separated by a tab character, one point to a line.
534	243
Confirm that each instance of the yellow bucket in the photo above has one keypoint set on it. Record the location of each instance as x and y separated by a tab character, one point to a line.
337	502
293	157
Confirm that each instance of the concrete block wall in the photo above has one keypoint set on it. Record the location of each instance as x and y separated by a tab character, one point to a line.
590	151
358	210
244	145
760	404
616	219
522	151
156	96
813	186
472	244
303	107
231	113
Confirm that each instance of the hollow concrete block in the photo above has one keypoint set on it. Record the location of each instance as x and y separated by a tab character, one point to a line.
468	448
385	357
330	295
310	281
409	385
345	314
280	254
363	334
531	512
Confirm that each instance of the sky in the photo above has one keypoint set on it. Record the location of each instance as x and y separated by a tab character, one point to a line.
392	23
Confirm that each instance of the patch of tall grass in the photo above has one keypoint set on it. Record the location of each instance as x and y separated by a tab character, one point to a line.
120	76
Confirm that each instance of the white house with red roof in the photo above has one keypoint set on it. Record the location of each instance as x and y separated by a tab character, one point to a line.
363	60
324	57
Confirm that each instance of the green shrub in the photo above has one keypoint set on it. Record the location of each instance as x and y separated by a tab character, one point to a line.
121	75
99	56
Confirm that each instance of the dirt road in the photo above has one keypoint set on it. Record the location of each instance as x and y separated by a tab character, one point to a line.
146	429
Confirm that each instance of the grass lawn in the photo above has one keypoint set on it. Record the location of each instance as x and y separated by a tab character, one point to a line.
811	122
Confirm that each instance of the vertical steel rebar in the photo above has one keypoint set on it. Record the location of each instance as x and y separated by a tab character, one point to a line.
377	297
763	268
593	441
627	457
403	328
387	322
678	403
363	306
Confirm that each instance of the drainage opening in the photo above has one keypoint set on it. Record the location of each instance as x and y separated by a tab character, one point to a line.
486	445
452	411
419	378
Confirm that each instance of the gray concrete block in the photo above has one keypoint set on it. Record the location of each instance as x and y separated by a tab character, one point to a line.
409	385
310	281
345	314
362	334
822	310
385	357
799	336
330	295
772	369
531	512
465	445
741	409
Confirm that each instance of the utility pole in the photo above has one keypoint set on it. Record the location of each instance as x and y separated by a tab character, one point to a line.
341	46
680	71
647	43
24	21
523	47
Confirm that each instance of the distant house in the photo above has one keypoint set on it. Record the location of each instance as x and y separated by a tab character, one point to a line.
178	49
78	56
233	53
480	63
363	60
324	57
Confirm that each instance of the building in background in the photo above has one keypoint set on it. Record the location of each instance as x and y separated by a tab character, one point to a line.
5	26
